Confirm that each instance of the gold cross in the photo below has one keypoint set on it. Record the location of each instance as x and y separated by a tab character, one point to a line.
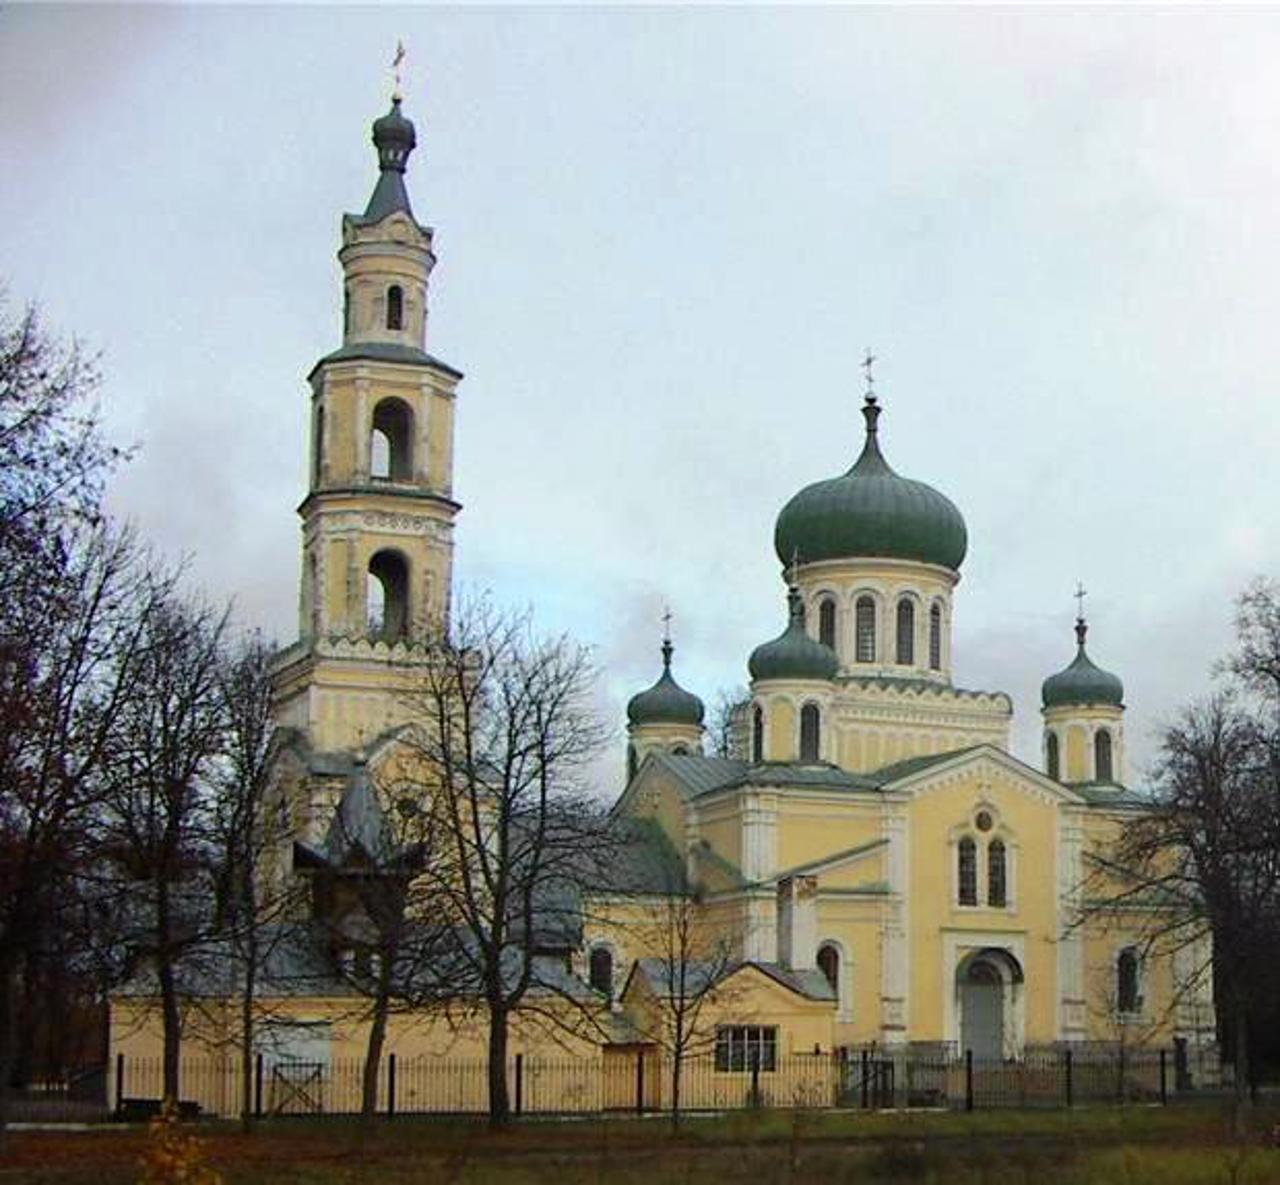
395	68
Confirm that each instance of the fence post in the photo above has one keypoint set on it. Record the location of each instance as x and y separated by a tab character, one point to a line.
1070	1100
866	1086
257	1086
519	1083
119	1082
1164	1089
968	1079
639	1081
391	1084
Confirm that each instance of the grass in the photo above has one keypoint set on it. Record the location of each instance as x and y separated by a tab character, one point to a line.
1115	1146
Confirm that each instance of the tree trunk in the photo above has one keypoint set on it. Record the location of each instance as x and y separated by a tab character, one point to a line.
499	1100
373	1058
1240	1038
677	1066
172	1026
246	1035
8	986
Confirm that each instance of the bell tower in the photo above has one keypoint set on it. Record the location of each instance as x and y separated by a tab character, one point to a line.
377	519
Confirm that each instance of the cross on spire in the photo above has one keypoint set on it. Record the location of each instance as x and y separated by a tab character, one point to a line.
666	623
1080	595
395	69
794	568
869	378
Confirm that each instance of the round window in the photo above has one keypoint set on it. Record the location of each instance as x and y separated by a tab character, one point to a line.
983	821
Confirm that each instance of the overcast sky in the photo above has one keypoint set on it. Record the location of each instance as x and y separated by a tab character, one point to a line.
665	238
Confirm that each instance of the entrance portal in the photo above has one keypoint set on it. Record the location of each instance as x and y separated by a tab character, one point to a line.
982	1009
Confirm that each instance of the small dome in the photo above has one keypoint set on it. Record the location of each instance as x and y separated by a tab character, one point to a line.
666	702
793	654
394	137
1082	683
871	511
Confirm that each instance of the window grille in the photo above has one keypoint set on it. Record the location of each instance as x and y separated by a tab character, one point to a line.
744	1047
967	856
865	630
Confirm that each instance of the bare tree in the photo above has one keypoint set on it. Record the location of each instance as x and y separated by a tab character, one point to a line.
254	911
503	736
686	957
727	724
161	808
67	668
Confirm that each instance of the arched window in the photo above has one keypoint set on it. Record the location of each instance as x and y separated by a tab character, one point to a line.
395	307
600	973
387	596
317	446
810	725
313	565
829	965
906	632
997	880
1127	997
391	441
757	734
1102	756
935	638
346	311
632	763
1051	759
827	622
967	870
680	750
865	630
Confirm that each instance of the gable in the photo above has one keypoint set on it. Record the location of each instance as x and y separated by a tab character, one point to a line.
983	765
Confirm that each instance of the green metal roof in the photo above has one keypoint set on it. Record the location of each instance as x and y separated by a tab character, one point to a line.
666	702
793	654
871	511
1082	683
385	352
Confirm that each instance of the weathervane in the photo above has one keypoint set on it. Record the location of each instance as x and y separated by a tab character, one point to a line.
395	70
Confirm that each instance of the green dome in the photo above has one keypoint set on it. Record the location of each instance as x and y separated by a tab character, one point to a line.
1082	683
793	654
871	511
666	702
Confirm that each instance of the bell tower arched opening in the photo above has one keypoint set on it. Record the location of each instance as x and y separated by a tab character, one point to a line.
391	441
387	596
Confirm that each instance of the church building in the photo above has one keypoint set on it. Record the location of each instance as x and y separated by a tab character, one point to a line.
875	866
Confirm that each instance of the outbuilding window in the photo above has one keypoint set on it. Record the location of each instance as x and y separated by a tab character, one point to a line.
746	1047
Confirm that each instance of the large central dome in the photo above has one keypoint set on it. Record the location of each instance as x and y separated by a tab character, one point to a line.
871	512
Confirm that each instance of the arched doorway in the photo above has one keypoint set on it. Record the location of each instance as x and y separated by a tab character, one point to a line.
982	1009
988	988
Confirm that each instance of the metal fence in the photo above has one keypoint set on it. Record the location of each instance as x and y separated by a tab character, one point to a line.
79	1097
642	1080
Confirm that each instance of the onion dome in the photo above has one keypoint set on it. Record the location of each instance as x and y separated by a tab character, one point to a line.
1082	684
793	654
394	138
871	512
666	702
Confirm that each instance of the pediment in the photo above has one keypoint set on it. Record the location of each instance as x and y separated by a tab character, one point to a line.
989	764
